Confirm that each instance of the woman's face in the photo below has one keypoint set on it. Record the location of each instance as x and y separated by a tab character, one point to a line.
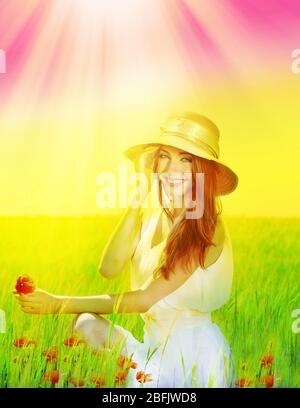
175	170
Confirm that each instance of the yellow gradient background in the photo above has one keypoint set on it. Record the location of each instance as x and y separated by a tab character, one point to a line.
49	165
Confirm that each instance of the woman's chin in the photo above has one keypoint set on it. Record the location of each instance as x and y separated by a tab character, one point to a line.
177	193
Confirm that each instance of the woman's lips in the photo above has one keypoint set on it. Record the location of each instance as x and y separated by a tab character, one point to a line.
175	180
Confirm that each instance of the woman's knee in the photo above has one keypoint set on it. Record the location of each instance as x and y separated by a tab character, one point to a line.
84	322
97	328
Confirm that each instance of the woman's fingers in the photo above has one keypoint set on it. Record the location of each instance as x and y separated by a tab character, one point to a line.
145	159
17	295
28	309
26	304
26	300
28	296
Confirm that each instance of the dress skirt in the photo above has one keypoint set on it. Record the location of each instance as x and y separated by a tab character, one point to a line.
193	355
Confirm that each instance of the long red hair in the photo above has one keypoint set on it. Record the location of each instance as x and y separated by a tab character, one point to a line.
191	238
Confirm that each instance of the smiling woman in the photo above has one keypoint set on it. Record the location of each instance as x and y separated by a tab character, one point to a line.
181	268
184	267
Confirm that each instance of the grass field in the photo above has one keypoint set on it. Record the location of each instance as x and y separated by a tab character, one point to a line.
61	254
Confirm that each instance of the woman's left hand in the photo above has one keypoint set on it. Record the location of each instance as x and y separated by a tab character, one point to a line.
38	302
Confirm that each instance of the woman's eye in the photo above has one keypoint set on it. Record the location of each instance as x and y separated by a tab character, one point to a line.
186	159
163	156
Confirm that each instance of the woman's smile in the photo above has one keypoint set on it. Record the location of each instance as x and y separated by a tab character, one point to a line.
174	179
174	168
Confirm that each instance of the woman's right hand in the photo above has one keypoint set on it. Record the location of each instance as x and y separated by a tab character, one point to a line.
144	161
144	164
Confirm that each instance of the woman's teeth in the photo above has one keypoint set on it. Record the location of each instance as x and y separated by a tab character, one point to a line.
175	180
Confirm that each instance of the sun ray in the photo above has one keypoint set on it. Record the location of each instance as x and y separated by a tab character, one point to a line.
86	78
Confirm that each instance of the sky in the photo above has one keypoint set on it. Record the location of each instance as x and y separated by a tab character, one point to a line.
80	81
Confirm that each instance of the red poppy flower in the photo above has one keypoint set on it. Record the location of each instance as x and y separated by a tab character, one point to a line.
267	361
244	382
23	342
142	377
51	354
133	365
77	383
99	381
73	342
120	377
121	360
24	285
52	376
267	380
126	362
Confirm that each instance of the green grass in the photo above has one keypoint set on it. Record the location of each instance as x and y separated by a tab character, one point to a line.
61	254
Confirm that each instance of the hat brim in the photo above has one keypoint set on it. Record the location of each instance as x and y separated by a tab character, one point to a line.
227	180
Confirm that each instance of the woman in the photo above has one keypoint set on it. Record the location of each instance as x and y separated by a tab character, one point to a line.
181	264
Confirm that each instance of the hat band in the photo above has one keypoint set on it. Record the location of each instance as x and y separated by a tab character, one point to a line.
204	135
193	139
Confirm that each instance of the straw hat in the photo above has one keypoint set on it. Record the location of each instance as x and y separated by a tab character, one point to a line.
196	134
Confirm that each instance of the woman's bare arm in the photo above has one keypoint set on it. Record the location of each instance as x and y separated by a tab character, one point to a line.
138	301
122	244
125	238
217	288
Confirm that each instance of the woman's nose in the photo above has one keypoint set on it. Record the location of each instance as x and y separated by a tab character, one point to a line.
175	168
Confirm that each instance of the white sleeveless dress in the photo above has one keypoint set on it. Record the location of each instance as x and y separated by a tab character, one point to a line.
182	346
